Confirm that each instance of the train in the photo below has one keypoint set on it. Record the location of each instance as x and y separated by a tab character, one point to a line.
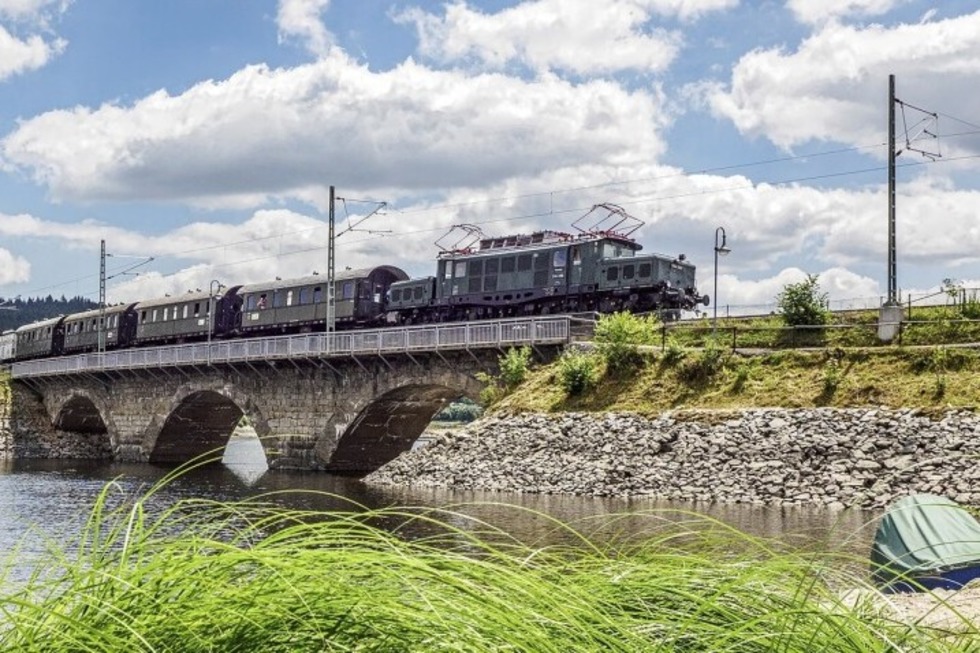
597	270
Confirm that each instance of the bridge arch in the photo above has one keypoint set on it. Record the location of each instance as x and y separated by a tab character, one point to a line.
199	421
86	416
388	426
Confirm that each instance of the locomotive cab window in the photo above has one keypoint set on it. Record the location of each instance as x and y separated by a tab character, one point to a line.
612	274
459	270
507	264
629	271
560	258
418	292
645	270
396	295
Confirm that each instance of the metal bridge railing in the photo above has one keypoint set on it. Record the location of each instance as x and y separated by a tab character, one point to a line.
378	342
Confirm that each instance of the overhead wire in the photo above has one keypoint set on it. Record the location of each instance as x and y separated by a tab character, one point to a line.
187	253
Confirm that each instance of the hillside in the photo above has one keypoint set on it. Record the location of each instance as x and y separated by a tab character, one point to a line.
751	364
17	312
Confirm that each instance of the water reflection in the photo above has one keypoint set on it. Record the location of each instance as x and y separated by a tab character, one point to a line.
51	499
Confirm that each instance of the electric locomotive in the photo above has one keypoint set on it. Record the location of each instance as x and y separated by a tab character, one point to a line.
546	272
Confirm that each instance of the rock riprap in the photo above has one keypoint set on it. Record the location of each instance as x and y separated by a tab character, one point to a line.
823	456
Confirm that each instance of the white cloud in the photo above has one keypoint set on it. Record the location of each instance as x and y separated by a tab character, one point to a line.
21	55
13	269
301	19
276	133
32	11
834	86
822	11
578	36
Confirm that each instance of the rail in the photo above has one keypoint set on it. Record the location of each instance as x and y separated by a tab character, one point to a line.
345	344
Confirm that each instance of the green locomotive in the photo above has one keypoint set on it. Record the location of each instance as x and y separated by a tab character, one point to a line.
547	272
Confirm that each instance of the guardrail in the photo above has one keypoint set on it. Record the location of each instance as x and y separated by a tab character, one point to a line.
376	342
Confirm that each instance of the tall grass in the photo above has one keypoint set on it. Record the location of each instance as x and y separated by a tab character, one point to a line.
250	576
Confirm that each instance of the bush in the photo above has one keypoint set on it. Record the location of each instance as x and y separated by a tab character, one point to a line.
618	337
673	352
577	371
703	368
802	304
514	366
464	410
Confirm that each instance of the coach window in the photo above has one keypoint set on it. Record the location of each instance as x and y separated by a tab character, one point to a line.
197	309
289	298
278	298
187	308
304	296
154	317
166	313
347	292
612	274
317	295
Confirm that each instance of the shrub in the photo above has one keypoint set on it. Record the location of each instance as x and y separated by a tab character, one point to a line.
832	376
618	337
703	368
577	371
492	392
802	304
514	366
673	352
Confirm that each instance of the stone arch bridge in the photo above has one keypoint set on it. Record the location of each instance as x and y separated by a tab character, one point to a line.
345	414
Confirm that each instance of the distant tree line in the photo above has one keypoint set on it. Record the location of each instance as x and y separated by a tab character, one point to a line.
17	311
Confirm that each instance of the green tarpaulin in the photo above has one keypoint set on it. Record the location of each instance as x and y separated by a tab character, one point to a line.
924	533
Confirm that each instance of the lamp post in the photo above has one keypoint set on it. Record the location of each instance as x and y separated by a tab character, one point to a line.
214	288
720	250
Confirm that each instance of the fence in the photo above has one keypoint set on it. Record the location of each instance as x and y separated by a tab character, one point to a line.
498	334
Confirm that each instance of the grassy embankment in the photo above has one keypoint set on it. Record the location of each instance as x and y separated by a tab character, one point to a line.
842	365
242	577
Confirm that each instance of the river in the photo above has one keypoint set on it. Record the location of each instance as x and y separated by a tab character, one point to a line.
48	500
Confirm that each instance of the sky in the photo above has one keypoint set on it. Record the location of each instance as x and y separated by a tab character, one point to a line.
198	138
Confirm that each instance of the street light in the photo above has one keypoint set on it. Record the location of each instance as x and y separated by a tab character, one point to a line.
215	287
720	250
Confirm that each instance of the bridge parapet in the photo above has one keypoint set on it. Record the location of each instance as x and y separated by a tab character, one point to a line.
493	334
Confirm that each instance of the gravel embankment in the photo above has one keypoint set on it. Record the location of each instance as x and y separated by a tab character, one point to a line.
823	456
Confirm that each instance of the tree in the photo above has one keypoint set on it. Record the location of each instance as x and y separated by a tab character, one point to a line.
802	304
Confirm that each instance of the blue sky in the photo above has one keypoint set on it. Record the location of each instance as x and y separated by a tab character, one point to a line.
204	134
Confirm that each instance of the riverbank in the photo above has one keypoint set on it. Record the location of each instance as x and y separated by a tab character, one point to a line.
850	457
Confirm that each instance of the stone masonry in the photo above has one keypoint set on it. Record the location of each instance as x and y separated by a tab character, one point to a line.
345	416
